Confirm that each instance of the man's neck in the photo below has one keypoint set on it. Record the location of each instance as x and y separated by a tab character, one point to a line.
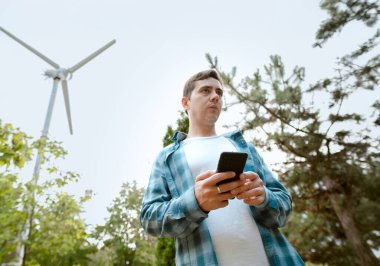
201	132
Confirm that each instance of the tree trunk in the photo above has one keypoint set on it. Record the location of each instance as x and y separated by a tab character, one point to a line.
353	235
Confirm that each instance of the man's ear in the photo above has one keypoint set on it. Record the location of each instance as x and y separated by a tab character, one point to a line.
185	103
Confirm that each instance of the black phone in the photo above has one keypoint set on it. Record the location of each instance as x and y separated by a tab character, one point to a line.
231	161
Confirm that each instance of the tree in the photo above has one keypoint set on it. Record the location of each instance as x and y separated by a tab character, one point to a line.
165	252
182	126
69	246
124	241
14	152
343	12
102	257
11	217
165	248
333	158
58	234
333	173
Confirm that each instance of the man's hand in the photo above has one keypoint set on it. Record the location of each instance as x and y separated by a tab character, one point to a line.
253	191
209	195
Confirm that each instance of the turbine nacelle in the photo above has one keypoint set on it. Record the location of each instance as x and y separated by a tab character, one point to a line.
58	73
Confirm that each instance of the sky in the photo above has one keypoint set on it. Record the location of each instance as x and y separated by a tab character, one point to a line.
124	99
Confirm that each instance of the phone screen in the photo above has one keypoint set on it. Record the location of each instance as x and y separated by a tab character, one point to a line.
231	161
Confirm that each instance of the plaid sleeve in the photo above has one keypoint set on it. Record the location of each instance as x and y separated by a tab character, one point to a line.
164	215
275	210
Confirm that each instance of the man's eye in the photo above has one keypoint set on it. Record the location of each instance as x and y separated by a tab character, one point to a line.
220	93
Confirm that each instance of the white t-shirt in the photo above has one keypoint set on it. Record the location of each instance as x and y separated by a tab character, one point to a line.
234	233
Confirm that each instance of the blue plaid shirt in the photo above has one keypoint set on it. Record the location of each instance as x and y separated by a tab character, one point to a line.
170	209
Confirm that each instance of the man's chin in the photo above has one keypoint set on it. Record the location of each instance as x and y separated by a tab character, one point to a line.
212	118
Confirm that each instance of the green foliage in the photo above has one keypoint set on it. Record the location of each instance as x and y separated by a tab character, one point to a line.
102	257
14	148
57	235
318	147
333	159
11	217
15	151
182	126
122	237
343	12
165	252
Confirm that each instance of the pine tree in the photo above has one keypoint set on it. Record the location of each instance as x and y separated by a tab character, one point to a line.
333	157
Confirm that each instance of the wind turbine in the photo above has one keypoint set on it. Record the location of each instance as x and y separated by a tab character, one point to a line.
59	75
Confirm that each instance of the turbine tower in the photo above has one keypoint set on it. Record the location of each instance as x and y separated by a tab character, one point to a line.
59	75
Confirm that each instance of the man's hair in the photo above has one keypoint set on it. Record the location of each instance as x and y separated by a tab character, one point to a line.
190	83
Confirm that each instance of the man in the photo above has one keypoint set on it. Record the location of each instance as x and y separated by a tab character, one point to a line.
235	223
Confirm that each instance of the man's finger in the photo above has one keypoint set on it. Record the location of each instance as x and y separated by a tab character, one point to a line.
204	175
216	178
246	186
256	192
224	196
254	201
229	186
249	176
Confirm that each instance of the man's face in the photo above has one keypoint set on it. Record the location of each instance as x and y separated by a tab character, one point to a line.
205	103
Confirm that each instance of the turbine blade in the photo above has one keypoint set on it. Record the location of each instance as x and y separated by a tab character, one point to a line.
90	57
67	103
43	57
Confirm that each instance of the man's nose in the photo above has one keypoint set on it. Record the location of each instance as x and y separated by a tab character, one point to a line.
214	97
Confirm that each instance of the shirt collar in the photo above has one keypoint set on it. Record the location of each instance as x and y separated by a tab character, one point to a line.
180	136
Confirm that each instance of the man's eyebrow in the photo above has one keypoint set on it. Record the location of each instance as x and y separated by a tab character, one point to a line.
205	86
208	86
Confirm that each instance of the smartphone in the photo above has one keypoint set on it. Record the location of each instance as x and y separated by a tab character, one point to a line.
231	161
